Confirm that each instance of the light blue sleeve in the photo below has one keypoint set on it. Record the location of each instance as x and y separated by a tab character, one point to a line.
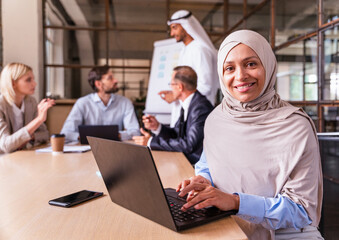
272	213
74	119
130	120
201	168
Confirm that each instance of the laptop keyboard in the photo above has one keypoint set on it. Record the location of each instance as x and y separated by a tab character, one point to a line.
181	216
191	217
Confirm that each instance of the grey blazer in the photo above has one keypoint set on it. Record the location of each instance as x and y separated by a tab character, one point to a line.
10	141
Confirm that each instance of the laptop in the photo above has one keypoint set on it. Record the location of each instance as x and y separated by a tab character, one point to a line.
101	131
133	182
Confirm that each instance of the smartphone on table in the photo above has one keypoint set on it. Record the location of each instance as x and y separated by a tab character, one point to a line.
75	198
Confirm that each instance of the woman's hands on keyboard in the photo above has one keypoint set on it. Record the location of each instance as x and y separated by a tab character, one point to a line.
202	194
186	182
198	178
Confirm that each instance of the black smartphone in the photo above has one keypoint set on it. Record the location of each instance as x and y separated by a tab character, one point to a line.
75	198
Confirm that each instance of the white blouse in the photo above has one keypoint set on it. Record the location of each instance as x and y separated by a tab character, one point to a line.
19	116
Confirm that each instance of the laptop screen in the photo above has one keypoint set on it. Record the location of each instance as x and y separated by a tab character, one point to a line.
101	131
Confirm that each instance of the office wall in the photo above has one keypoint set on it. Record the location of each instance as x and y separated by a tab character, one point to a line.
22	36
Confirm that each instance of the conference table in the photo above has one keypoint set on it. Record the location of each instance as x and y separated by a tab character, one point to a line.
28	180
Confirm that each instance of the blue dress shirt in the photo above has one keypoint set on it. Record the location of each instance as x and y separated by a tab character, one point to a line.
271	213
90	110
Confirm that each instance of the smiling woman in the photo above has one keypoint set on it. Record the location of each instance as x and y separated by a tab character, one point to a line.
21	118
244	74
261	155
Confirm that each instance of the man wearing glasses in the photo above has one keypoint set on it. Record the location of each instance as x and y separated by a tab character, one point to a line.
188	133
103	107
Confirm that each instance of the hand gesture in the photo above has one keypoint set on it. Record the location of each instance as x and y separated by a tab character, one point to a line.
150	122
142	140
167	96
43	106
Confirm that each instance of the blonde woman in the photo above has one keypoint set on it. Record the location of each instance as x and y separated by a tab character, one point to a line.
21	118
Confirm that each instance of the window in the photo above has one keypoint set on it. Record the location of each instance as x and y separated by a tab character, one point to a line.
82	34
120	33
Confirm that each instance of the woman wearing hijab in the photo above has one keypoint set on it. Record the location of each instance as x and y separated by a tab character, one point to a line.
261	154
21	119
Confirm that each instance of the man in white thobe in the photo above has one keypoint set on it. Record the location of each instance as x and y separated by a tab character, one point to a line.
198	53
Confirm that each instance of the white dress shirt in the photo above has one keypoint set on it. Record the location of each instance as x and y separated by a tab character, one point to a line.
183	104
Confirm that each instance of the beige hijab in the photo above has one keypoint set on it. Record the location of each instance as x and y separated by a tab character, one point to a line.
263	147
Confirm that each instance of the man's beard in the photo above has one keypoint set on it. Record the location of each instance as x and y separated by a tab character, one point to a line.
180	39
112	90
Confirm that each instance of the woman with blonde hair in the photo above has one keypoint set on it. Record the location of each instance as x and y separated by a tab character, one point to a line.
21	118
261	154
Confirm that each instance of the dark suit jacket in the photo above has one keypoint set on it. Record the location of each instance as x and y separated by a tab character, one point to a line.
191	144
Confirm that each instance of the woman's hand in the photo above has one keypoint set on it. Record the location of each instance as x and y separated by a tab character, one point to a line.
201	194
183	184
43	106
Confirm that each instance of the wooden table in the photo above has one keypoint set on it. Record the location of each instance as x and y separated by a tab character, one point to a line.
28	180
